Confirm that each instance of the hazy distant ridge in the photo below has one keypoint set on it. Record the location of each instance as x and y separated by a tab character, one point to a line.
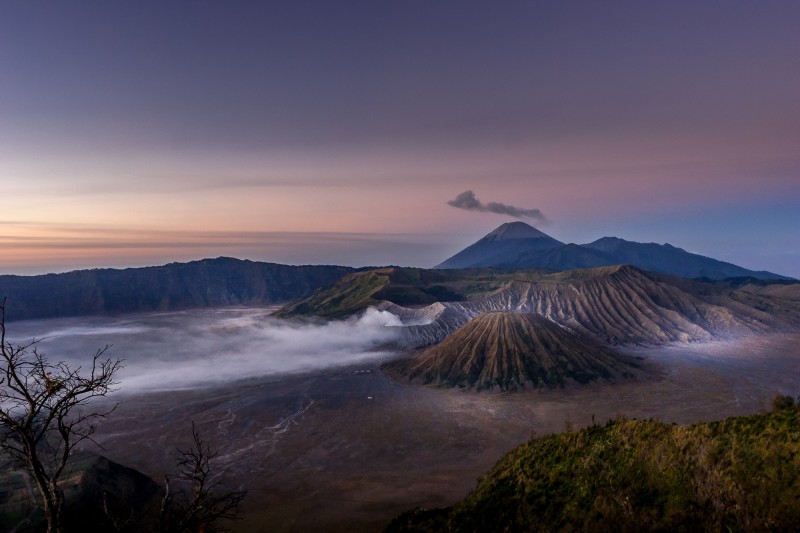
204	283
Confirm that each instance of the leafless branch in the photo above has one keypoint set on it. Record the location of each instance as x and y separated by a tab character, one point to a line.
44	412
205	504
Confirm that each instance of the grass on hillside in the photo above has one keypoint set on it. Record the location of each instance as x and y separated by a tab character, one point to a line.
739	474
350	295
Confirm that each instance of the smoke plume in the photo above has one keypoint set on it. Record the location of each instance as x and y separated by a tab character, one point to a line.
467	200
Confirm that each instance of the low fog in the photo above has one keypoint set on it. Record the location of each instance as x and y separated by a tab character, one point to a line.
175	350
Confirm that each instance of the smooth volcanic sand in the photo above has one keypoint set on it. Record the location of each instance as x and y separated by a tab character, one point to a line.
347	449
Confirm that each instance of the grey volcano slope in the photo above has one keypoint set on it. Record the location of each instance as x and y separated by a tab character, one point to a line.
512	351
560	328
517	245
616	305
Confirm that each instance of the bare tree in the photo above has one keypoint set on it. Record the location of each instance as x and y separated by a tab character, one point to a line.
46	409
201	505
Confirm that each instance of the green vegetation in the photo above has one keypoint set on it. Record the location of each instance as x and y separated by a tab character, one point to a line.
352	294
739	474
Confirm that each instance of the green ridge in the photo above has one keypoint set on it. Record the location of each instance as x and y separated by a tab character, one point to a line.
403	286
351	294
739	474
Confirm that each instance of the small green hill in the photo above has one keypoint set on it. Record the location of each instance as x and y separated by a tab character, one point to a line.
402	286
739	474
353	293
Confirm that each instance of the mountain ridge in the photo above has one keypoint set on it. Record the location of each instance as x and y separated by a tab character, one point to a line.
618	304
622	305
536	250
203	283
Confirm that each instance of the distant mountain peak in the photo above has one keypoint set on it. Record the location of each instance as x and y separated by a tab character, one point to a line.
516	230
516	245
505	243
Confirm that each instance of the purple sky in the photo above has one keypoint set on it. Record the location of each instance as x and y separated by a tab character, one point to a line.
137	133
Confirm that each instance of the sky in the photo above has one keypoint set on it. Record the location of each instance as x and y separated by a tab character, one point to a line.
318	132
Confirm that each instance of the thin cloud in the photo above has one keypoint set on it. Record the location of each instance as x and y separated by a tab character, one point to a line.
199	348
467	200
39	248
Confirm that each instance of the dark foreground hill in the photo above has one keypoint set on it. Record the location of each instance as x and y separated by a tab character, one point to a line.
517	245
129	495
740	474
513	351
206	283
